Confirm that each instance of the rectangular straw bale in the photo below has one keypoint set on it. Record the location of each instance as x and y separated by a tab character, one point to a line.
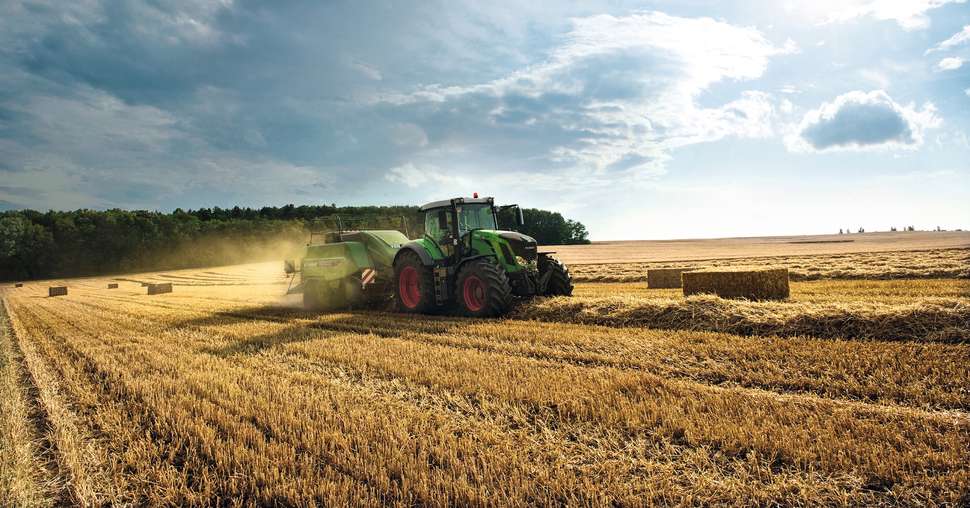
750	283
664	277
112	285
157	289
57	291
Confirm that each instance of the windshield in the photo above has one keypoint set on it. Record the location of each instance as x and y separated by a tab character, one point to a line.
475	217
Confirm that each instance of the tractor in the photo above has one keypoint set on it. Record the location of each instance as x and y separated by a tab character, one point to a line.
463	261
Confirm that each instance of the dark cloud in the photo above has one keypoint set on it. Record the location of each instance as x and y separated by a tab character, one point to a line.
860	124
860	120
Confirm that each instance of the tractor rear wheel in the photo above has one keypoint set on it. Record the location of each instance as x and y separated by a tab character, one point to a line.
560	282
413	285
482	289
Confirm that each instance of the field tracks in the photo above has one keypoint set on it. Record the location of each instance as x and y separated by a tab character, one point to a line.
249	379
692	416
183	439
72	460
624	349
29	469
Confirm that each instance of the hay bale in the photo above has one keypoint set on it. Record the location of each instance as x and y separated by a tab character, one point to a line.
664	278
112	285
19	285
750	283
57	291
157	289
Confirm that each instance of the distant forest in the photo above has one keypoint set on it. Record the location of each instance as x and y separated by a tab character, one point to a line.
36	245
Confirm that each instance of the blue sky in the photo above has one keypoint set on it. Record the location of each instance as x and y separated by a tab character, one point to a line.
640	119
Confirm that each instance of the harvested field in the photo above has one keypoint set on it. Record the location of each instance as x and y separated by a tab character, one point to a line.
224	391
642	251
922	264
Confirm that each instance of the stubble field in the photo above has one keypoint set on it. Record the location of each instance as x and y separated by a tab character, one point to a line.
856	390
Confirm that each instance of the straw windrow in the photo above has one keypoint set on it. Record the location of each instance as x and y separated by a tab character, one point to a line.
944	320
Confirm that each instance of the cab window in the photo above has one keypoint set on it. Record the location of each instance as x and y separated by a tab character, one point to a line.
475	217
432	227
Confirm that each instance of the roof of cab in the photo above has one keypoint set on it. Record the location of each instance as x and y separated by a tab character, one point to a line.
447	202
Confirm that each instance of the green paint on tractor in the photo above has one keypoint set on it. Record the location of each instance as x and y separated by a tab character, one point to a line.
463	262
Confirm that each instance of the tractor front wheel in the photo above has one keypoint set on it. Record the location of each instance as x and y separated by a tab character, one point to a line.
560	282
413	284
482	289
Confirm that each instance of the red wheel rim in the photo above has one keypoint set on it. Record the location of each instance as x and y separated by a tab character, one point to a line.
474	293
408	288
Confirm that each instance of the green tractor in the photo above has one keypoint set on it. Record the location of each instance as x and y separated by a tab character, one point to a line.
462	261
465	260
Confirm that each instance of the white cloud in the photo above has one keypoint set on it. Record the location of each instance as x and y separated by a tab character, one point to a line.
863	121
414	177
950	63
625	89
967	91
958	38
909	14
786	106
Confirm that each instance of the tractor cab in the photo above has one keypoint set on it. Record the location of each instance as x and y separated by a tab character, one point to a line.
456	225
464	258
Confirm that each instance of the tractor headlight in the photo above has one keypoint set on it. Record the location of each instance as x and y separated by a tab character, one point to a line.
521	261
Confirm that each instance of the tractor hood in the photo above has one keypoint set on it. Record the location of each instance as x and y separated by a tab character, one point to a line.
515	236
522	245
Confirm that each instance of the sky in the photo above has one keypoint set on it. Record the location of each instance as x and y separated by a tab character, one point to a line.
643	120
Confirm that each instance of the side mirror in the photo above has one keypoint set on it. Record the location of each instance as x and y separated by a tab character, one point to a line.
443	220
289	266
519	218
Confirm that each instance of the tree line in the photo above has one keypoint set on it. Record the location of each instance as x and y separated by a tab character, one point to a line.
36	245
